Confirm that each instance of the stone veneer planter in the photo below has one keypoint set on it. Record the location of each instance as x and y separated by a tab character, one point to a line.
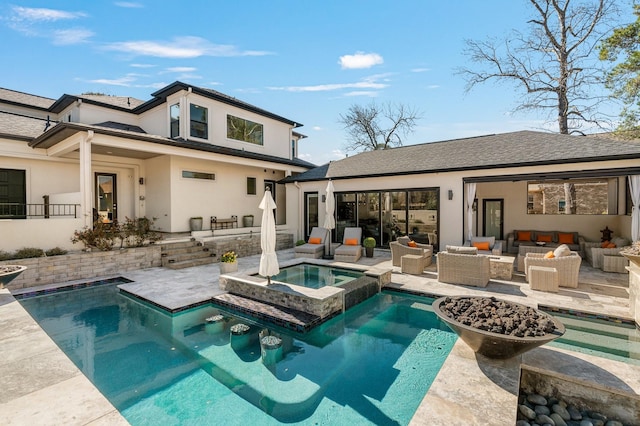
84	265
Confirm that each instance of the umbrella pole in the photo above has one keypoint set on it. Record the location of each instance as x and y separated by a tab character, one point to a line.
268	280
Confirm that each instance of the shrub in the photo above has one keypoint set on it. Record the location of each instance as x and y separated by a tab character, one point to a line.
27	252
299	242
369	242
229	257
56	251
5	256
130	233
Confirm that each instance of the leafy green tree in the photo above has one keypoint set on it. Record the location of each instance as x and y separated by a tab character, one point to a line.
624	78
554	63
377	126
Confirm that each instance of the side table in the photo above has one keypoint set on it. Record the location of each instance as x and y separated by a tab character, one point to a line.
412	264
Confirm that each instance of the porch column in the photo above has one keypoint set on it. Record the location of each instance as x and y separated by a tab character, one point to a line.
634	188
471	195
86	181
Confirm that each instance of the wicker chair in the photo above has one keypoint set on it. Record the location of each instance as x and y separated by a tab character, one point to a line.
594	253
349	253
568	267
398	250
467	269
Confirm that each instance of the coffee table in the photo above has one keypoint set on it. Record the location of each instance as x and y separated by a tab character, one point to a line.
501	267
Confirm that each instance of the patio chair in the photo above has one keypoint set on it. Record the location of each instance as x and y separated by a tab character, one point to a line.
400	247
466	269
314	247
351	249
568	267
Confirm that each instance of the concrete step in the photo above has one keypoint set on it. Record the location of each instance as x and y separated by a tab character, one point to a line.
179	245
184	250
188	256
190	263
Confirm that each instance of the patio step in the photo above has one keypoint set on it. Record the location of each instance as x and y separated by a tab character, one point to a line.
186	254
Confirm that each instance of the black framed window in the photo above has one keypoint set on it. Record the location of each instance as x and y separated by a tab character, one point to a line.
251	186
174	113
244	130
199	121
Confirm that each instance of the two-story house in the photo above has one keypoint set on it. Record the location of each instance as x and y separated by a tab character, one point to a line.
186	152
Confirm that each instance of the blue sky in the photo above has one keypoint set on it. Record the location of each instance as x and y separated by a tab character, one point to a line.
307	61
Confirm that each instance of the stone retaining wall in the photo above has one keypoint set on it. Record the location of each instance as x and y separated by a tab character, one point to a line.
82	265
246	245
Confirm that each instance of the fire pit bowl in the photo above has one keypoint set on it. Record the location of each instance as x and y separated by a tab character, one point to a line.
9	272
492	344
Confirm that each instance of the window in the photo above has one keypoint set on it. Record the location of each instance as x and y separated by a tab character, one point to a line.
293	148
174	113
13	194
199	127
251	186
572	196
244	130
198	175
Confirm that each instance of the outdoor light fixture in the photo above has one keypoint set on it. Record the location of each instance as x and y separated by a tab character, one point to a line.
451	194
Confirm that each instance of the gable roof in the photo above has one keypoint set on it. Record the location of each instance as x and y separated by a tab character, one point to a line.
20	127
516	149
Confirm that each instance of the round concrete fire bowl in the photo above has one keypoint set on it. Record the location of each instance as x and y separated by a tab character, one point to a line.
492	344
9	272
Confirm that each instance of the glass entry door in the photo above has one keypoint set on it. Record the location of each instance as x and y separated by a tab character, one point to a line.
106	200
492	218
311	207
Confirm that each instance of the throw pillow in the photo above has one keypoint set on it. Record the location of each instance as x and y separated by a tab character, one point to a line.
565	238
524	235
544	238
404	240
351	242
604	244
620	242
549	255
611	245
314	240
561	251
412	244
481	245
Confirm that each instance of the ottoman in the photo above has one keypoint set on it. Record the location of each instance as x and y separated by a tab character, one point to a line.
543	278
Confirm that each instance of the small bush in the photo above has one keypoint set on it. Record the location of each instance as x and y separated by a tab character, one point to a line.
130	233
56	251
27	252
299	242
5	256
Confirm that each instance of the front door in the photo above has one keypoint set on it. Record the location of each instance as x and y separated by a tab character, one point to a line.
492	210
106	199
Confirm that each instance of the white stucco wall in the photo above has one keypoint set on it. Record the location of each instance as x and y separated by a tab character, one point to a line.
39	233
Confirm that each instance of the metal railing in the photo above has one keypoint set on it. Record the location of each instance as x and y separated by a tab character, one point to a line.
45	210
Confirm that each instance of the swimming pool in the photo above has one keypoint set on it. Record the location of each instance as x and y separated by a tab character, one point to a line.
316	276
370	365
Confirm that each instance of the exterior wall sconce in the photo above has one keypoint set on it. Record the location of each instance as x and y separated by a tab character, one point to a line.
324	198
450	194
141	181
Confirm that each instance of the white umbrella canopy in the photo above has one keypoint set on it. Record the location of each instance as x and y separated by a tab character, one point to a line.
268	259
330	206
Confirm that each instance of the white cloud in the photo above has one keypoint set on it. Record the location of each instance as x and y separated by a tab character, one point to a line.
366	83
369	93
180	69
180	47
128	4
123	81
317	128
215	83
42	14
74	36
360	60
421	69
142	65
433	86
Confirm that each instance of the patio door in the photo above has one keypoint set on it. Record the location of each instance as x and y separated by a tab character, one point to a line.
311	212
106	199
492	218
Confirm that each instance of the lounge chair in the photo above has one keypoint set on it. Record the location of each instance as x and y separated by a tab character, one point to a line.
351	249
400	247
314	248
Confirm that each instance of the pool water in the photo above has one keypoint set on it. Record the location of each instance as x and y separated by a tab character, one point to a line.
370	365
316	276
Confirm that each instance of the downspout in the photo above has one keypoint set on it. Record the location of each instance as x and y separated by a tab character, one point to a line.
85	179
300	211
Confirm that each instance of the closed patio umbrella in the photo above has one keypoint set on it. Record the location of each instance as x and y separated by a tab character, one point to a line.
329	220
268	259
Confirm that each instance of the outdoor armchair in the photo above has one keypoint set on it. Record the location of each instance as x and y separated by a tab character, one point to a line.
314	248
568	267
351	249
398	249
467	269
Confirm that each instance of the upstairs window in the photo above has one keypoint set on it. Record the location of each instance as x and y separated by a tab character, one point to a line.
293	148
174	113
199	118
244	130
251	186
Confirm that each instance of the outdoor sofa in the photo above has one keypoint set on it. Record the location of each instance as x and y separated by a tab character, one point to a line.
551	239
463	265
486	245
594	253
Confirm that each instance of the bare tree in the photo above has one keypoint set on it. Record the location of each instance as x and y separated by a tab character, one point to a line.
376	126
555	63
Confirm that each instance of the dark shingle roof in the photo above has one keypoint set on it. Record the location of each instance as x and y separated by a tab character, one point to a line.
20	98
517	149
121	126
